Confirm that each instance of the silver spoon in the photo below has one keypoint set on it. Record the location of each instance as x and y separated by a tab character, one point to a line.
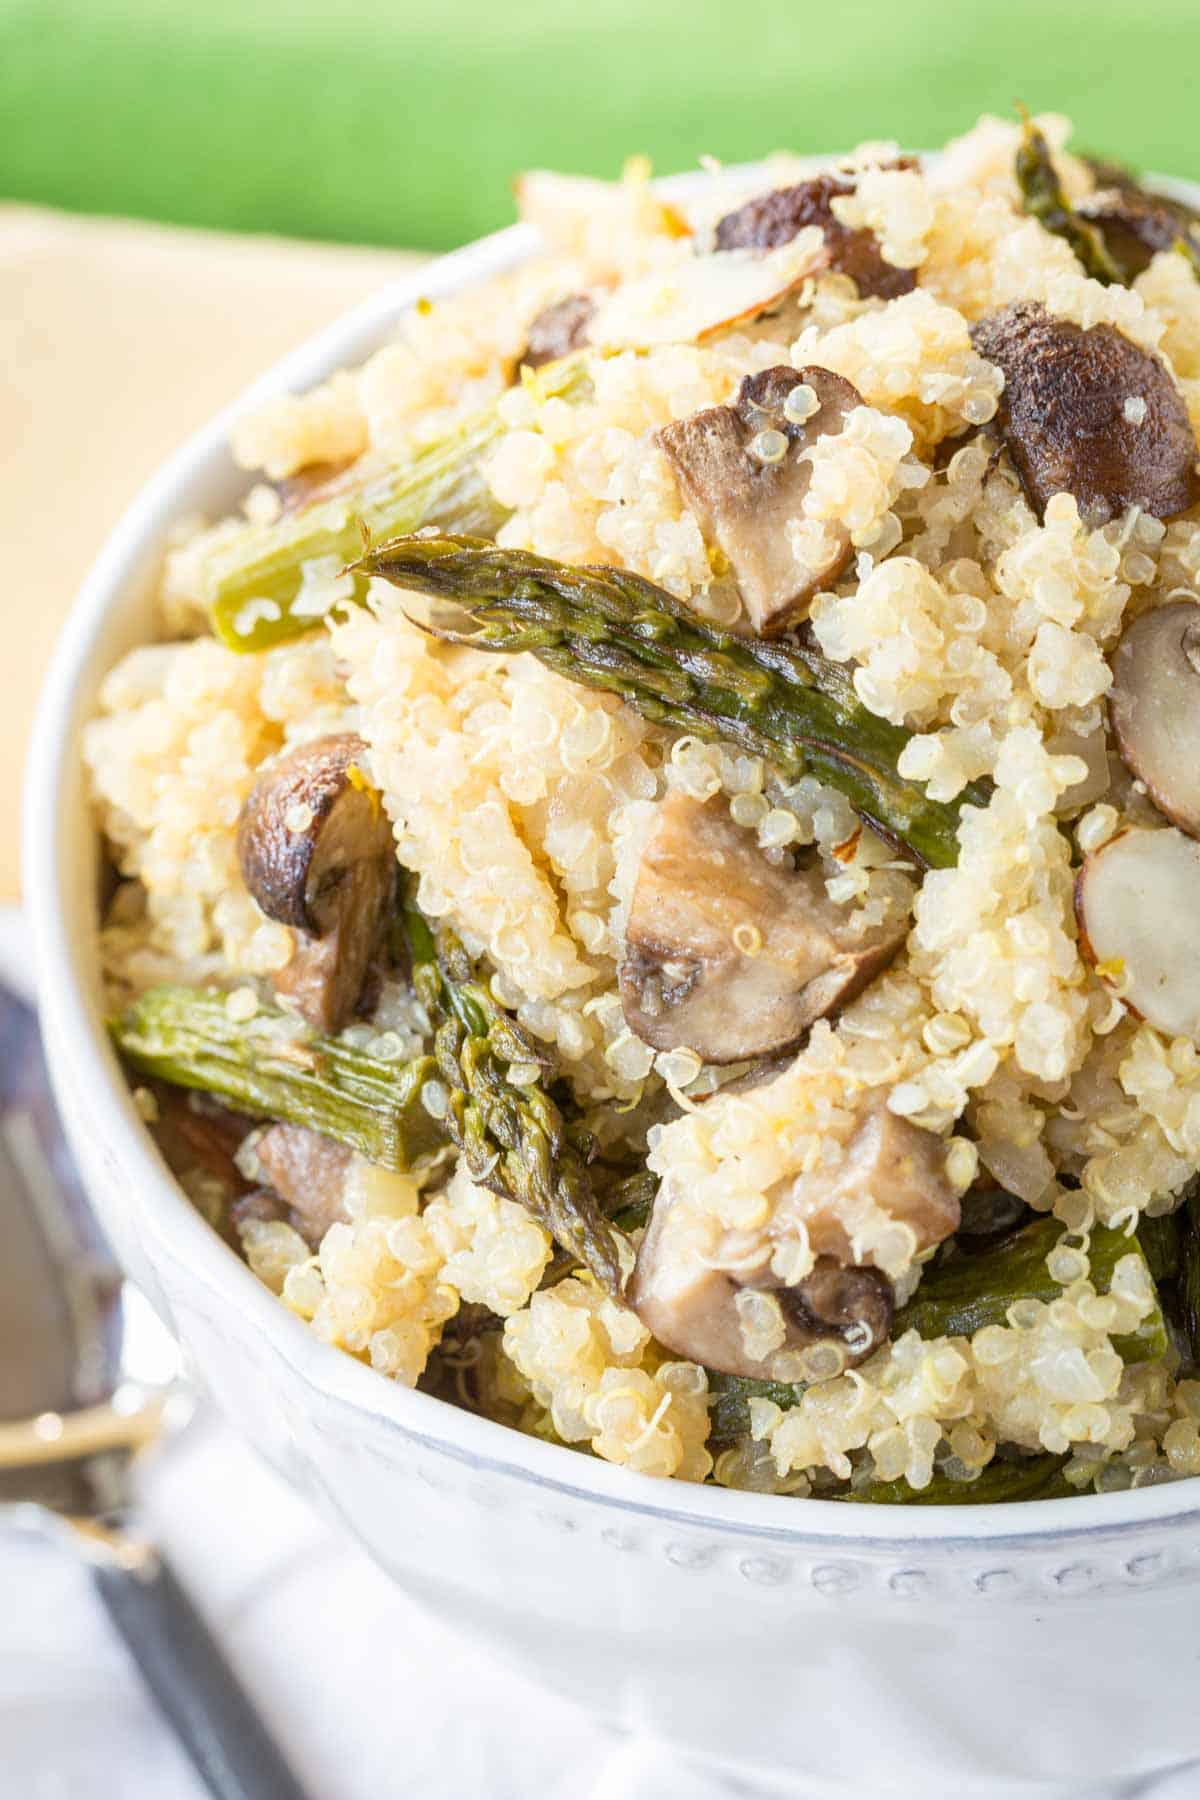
88	1377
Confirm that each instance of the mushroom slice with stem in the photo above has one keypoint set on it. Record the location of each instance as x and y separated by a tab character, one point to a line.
1137	900
728	954
744	472
734	1313
1154	705
1089	413
315	849
744	1327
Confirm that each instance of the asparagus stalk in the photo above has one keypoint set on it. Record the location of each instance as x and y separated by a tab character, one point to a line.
1187	1287
1029	1478
729	1408
1161	1240
627	1203
253	580
515	1140
618	632
1032	1478
963	1294
1044	196
263	1067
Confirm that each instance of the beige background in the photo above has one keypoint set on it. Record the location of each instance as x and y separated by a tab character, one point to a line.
117	341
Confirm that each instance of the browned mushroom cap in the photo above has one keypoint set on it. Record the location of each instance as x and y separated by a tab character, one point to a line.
315	849
308	1173
727	954
889	1162
1089	413
557	330
770	220
1137	900
705	1314
743	499
1134	224
1154	705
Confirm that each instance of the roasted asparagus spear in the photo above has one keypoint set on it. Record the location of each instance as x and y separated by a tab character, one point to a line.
1187	1287
269	1068
959	1296
1043	195
253	579
514	1138
729	1404
1029	1478
608	629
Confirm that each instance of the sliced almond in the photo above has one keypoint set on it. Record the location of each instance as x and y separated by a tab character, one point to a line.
1155	708
696	298
1137	900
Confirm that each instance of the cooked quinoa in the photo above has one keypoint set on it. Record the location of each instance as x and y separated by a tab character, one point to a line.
970	1060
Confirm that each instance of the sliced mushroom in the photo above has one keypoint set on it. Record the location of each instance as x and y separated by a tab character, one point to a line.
692	301
890	1165
770	220
1137	900
315	849
729	955
707	1315
1089	413
557	330
1154	705
308	1173
743	473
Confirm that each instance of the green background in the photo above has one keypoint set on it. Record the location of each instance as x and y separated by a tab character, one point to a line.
401	121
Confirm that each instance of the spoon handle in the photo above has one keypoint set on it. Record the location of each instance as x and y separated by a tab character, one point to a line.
188	1674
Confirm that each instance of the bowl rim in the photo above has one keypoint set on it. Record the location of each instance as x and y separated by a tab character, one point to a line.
84	1066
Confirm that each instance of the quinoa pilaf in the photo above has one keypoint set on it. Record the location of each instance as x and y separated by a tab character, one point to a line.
658	855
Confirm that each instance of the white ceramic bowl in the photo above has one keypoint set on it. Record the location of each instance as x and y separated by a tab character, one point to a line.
1045	1644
